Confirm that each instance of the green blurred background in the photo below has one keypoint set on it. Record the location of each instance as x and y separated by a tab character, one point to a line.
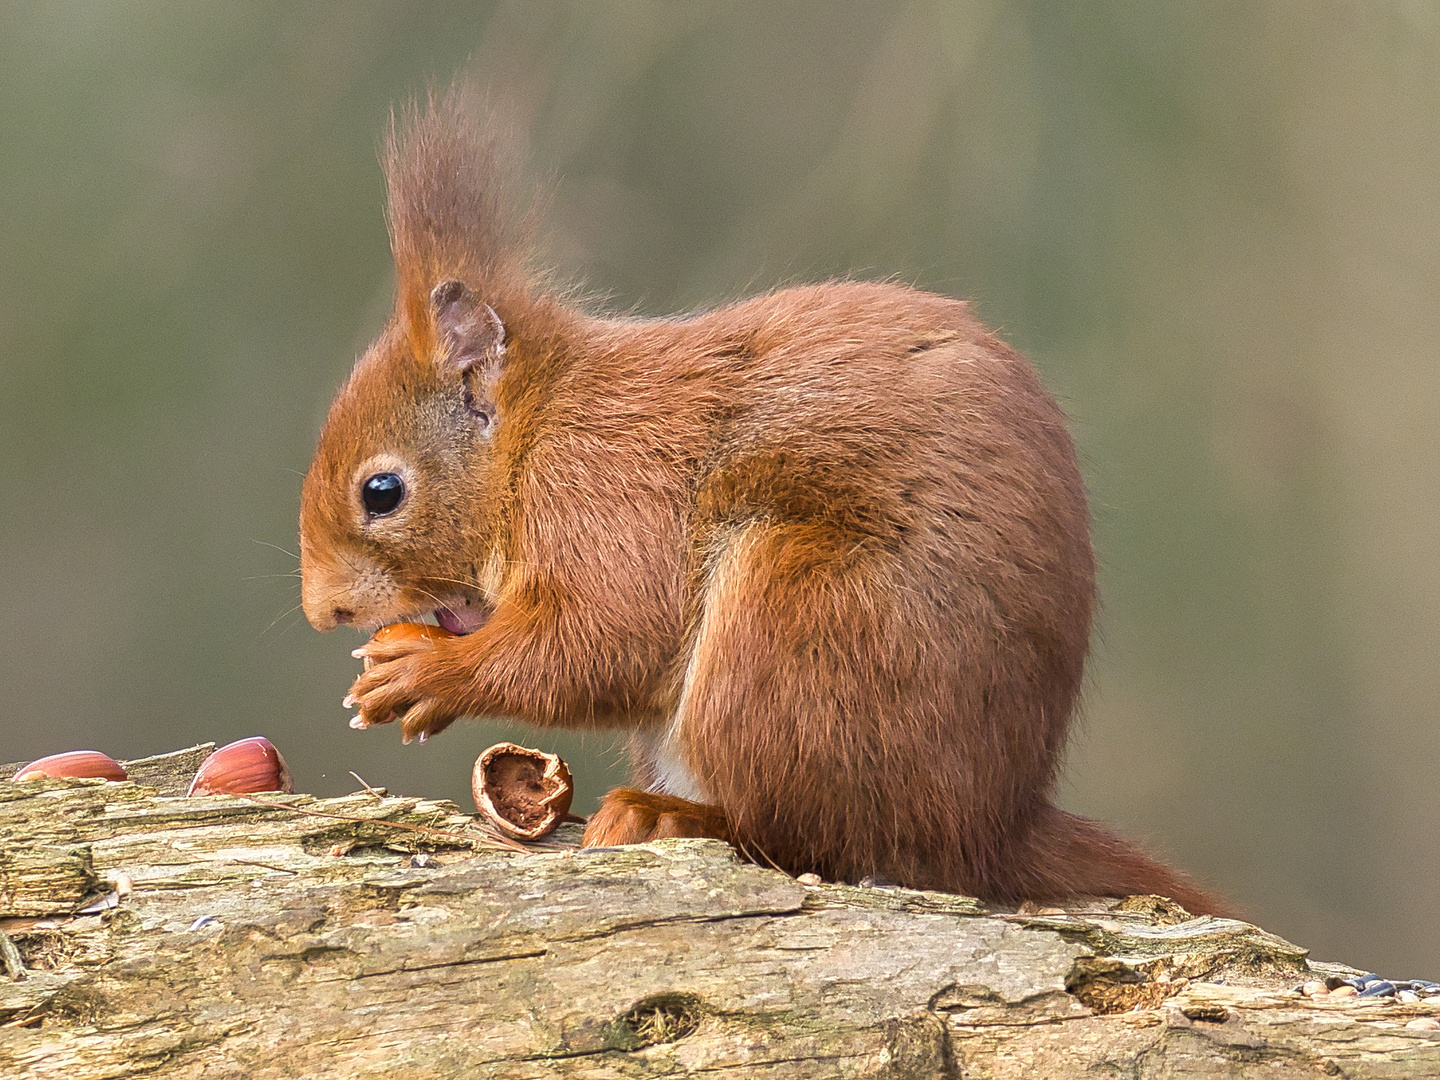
1214	226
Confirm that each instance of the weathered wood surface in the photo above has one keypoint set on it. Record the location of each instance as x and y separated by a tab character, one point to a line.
301	937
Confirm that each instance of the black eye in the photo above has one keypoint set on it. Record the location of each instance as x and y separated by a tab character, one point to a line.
382	493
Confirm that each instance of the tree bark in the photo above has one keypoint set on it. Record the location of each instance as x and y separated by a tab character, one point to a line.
288	936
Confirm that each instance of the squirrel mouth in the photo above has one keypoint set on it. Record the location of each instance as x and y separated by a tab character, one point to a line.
464	621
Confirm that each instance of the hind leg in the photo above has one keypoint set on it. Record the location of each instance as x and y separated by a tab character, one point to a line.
805	717
770	731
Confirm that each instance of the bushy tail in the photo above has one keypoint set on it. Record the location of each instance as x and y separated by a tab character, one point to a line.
1072	856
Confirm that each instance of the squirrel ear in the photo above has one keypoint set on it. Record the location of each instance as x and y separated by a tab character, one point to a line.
468	329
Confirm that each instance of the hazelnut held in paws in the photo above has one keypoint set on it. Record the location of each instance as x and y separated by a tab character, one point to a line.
823	553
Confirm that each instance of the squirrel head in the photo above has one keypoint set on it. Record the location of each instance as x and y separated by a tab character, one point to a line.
395	506
398	511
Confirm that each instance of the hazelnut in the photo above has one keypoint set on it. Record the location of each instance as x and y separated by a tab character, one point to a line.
526	793
74	763
241	768
406	631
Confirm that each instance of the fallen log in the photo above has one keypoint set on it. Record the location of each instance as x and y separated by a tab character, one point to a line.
371	935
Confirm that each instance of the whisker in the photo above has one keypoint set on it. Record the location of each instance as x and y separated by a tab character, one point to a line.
287	629
288	611
351	563
277	547
426	592
457	581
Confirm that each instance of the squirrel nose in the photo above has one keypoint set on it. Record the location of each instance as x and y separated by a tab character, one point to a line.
347	590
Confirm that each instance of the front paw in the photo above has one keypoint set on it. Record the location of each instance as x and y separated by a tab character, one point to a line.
400	681
628	816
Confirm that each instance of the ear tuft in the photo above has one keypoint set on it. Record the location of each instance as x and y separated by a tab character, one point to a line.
458	210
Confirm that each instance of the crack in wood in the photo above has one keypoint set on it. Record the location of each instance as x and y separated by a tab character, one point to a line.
533	954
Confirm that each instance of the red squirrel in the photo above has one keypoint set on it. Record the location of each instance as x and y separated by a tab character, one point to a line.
823	553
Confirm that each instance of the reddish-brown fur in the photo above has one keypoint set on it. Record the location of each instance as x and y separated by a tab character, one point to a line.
824	552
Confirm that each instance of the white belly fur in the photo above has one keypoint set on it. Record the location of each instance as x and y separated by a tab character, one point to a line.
662	747
672	775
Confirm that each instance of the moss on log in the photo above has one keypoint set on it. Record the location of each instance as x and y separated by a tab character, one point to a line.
370	935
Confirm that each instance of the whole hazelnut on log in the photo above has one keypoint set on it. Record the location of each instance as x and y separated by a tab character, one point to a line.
74	763
242	768
406	631
526	793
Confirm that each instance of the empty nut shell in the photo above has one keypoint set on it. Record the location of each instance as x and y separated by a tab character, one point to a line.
243	768
525	793
406	631
74	763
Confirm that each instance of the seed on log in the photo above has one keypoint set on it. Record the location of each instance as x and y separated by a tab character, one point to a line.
242	768
525	793
74	763
406	632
